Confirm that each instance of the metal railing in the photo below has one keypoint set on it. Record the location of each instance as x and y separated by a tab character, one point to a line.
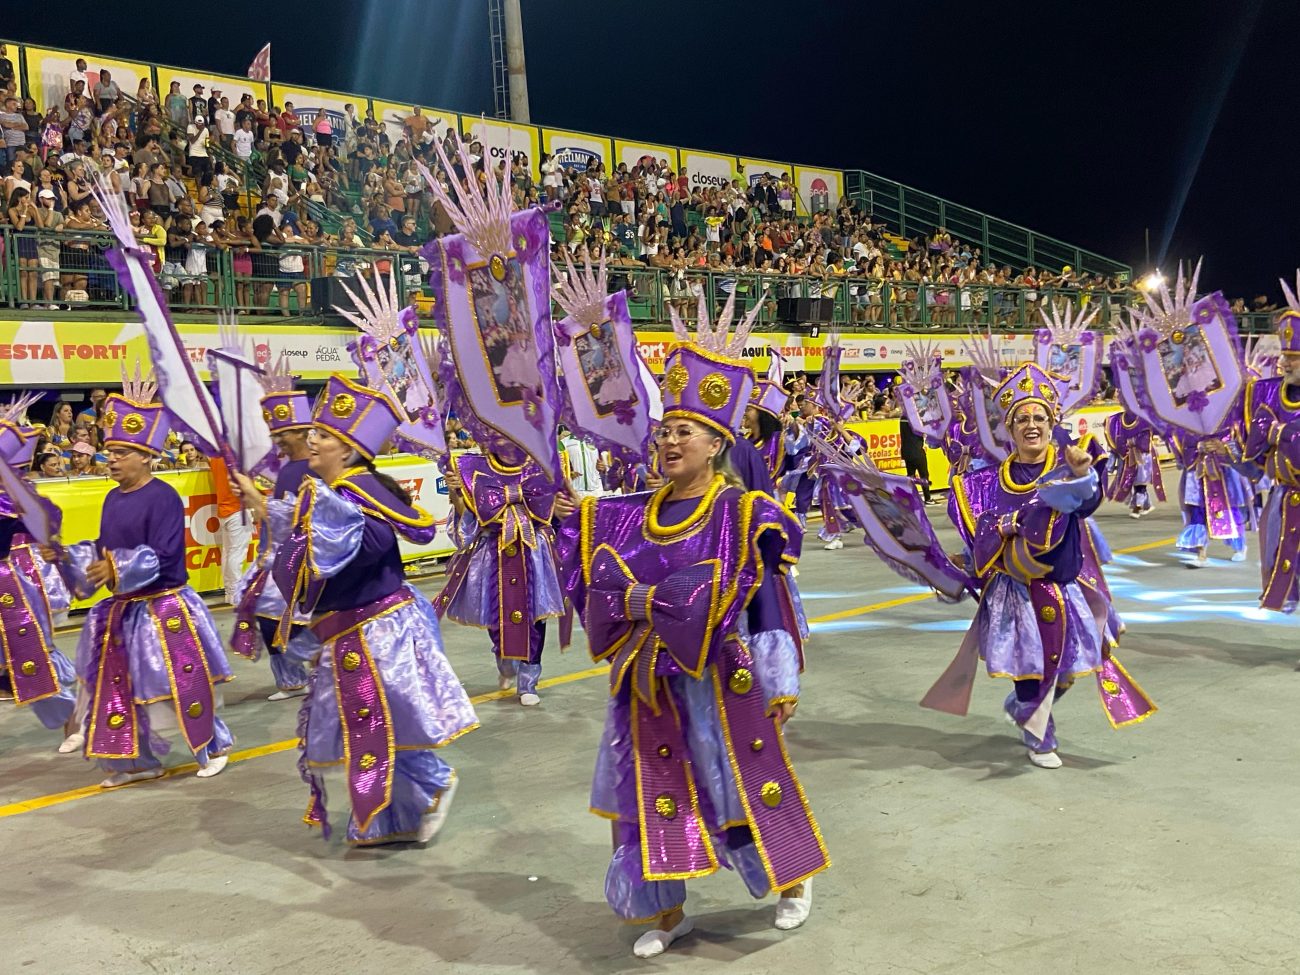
68	270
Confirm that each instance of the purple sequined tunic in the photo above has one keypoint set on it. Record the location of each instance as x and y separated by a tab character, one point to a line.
688	602
1024	572
383	696
1215	496
504	579
42	677
259	605
150	655
1273	441
1130	440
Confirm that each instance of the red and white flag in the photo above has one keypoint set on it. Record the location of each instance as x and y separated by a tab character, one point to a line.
260	69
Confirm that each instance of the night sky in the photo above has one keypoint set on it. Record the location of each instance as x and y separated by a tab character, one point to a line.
1086	121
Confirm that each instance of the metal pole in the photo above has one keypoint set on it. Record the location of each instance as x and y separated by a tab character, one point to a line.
515	62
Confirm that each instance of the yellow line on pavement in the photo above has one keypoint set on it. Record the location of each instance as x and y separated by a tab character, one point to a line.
274	748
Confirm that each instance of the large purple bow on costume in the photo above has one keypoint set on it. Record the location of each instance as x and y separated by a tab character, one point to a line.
516	505
632	621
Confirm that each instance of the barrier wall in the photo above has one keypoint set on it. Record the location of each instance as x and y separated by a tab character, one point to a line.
82	498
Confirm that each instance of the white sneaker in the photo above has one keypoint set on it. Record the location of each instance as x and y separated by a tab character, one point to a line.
529	700
214	766
833	545
656	942
506	682
1135	515
432	822
119	779
1044	759
1238	557
1199	561
286	695
791	912
73	743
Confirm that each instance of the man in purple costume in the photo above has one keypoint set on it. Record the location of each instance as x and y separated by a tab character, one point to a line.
259	606
1022	522
42	677
1273	442
383	697
149	655
504	578
697	619
1137	472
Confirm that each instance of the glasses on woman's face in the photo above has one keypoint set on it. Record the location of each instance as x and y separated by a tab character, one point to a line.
679	435
1029	419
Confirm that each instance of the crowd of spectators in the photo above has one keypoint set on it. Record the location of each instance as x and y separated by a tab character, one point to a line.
188	163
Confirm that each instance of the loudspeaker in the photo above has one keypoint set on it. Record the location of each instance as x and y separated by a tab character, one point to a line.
327	294
805	311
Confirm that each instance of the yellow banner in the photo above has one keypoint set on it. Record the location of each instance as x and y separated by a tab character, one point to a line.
495	136
631	153
578	150
754	168
48	72
307	101
707	169
817	189
884	446
67	353
393	115
231	88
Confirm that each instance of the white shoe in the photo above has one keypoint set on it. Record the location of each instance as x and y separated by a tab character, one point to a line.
506	682
214	766
432	822
791	912
1135	515
1238	557
1044	759
656	942
529	700
286	695
1199	561
73	743
833	545
119	779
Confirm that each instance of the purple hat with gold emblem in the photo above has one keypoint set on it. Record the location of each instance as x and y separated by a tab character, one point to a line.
1028	383
707	386
356	414
283	407
704	377
131	423
770	397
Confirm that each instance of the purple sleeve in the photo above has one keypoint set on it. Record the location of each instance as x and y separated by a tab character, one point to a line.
750	467
568	552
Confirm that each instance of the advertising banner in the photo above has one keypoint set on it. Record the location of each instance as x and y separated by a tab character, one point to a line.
884	447
48	72
576	150
393	115
755	169
308	101
231	88
36	354
863	352
817	189
496	135
707	169
82	499
631	153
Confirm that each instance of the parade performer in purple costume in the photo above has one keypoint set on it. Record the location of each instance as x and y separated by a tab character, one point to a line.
149	655
685	591
1205	461
766	427
1272	420
504	579
259	605
31	593
1022	522
383	697
1137	473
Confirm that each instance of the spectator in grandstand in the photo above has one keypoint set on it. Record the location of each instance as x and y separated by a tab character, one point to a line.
200	164
49	464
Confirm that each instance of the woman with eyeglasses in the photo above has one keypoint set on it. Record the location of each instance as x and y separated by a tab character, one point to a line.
684	590
1023	524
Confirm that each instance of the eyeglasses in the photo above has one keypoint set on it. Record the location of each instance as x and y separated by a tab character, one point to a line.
680	435
1025	419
